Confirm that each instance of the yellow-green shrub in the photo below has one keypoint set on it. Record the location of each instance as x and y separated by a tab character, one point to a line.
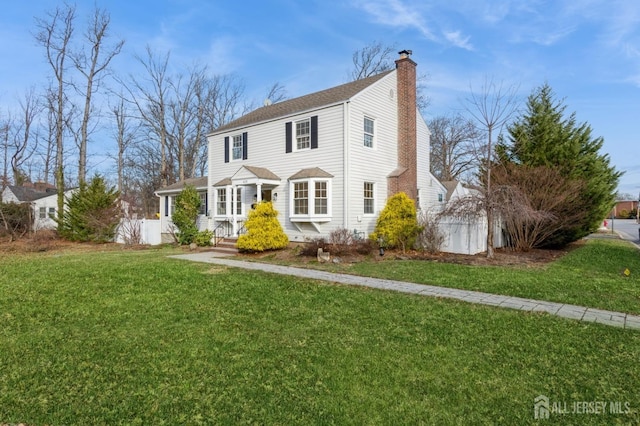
397	226
264	232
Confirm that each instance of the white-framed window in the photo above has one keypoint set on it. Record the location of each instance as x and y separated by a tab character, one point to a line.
221	201
42	213
368	132
369	198
236	151
52	211
203	204
238	200
172	205
311	199
440	198
301	198
321	197
303	134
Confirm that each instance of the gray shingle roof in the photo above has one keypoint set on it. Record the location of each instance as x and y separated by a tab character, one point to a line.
24	193
330	96
199	182
311	173
262	173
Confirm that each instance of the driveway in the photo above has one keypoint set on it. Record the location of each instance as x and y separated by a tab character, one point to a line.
626	228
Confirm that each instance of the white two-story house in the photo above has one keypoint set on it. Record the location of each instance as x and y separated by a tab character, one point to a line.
327	160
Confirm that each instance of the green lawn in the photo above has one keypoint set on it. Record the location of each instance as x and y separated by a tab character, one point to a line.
588	276
136	338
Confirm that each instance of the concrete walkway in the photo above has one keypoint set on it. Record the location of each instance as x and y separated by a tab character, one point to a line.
580	313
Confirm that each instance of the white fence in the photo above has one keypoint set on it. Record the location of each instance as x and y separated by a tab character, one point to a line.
468	237
139	231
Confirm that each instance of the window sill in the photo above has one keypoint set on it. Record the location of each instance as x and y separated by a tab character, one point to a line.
309	218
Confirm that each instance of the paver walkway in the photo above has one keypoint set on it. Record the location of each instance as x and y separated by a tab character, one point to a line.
581	313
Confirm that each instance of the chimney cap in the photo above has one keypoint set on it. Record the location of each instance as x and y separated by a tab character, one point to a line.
405	53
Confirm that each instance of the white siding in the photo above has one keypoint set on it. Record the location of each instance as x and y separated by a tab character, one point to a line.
378	102
266	148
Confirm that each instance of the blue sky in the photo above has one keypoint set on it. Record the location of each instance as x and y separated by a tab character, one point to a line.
587	50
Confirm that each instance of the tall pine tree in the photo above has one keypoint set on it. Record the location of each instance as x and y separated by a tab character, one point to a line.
544	136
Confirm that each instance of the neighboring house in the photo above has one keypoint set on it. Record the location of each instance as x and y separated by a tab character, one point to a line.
43	199
168	196
623	209
455	190
327	160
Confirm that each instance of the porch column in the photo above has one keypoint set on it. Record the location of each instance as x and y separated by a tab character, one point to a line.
234	219
259	195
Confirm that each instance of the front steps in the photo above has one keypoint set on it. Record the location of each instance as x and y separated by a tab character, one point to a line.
226	246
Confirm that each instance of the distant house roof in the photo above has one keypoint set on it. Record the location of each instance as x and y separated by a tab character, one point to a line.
309	102
198	183
450	186
28	194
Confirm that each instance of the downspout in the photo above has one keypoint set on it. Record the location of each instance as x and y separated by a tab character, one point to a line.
346	123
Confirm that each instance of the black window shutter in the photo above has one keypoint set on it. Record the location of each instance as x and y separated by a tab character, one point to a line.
226	149
206	203
314	132
245	142
288	136
166	206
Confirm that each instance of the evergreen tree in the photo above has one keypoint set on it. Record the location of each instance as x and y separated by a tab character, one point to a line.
186	214
92	213
544	136
397	224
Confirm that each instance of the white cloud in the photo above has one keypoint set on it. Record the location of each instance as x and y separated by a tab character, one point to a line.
395	13
457	39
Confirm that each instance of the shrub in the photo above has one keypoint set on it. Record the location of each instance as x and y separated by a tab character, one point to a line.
92	213
185	215
15	220
397	225
203	238
264	232
310	248
430	238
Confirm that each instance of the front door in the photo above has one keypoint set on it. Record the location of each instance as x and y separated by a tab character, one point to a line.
266	195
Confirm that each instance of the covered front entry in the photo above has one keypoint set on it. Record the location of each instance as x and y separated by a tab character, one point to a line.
236	195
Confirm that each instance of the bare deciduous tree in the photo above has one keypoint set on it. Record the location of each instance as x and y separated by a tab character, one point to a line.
54	35
454	141
25	142
540	202
371	60
91	66
492	107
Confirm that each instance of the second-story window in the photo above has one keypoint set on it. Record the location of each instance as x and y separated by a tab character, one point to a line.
303	134
368	132
237	147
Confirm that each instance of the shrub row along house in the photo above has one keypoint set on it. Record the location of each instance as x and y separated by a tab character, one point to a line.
328	160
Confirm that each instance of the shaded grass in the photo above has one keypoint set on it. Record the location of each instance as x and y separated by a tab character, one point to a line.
590	275
134	338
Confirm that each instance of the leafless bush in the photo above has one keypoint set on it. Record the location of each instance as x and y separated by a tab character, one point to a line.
131	231
430	238
310	247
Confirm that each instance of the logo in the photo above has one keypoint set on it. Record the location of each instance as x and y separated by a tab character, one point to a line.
541	407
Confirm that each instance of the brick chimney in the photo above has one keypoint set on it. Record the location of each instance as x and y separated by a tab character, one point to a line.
405	177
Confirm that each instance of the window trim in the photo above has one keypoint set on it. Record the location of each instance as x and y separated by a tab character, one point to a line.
224	201
202	210
42	213
236	149
372	133
297	137
372	198
311	215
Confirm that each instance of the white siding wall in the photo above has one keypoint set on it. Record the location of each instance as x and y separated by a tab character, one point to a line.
378	102
266	148
50	202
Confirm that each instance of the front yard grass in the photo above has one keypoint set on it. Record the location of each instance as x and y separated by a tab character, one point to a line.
590	275
136	338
